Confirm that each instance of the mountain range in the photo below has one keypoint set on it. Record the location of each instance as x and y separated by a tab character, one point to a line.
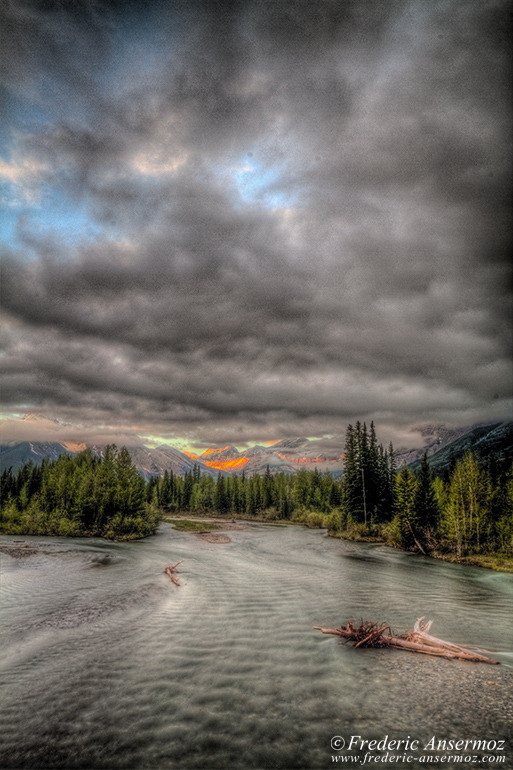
288	455
442	445
484	440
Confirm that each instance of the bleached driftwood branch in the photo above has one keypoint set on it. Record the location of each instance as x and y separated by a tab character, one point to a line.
366	634
170	570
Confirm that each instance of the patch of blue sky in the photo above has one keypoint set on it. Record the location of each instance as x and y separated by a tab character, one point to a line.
70	223
55	216
260	185
8	222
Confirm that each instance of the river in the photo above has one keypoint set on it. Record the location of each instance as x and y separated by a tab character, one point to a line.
106	664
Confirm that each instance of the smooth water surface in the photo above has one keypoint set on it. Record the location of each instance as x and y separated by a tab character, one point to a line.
106	664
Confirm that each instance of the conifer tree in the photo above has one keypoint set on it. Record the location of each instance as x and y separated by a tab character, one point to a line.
267	488
302	489
353	490
221	500
406	517
425	503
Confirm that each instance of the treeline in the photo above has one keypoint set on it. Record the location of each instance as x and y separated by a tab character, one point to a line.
76	496
467	510
278	496
366	493
470	512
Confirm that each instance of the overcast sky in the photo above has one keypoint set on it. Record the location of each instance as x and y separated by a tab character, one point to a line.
243	221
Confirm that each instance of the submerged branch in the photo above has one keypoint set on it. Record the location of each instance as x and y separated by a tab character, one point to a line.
170	570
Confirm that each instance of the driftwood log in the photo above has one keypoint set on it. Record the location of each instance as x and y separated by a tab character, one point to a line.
170	572
366	634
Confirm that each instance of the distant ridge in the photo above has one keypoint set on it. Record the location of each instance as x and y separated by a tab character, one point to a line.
287	456
150	462
435	438
15	454
442	444
484	440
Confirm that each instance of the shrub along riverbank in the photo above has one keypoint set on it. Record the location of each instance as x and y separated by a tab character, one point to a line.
361	533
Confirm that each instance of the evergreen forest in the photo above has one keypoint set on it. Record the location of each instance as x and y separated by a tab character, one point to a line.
466	510
77	496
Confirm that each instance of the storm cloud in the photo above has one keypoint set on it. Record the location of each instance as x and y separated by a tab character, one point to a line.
246	220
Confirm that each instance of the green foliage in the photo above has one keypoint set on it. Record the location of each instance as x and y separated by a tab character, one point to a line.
392	532
314	519
426	507
186	525
76	496
368	488
467	512
407	516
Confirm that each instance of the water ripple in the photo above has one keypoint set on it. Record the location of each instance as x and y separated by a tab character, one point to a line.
108	665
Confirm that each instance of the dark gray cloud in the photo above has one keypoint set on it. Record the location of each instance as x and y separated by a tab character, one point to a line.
283	216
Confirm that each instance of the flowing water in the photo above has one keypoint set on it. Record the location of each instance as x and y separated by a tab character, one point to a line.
106	664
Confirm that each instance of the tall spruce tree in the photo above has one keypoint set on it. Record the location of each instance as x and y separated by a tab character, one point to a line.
406	517
426	507
352	480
